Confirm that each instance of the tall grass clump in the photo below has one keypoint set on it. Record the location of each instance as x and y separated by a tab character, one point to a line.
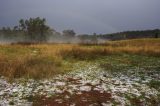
82	53
36	61
29	67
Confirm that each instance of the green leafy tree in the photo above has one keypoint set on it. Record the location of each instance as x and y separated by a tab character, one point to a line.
22	24
69	33
156	33
15	28
36	28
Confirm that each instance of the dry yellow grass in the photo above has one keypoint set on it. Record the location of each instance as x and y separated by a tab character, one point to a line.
137	46
45	60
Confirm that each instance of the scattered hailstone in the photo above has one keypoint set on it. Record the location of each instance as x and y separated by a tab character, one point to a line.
85	88
73	104
59	100
106	104
60	83
85	75
15	90
67	97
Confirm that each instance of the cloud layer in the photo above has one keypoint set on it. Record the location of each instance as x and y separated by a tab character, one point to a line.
85	16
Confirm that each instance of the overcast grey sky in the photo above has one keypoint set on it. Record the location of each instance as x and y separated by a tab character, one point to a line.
85	16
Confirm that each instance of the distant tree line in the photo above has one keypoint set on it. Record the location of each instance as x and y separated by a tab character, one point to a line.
32	30
121	35
132	35
36	30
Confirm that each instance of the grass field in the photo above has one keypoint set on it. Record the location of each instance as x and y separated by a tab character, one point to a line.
37	61
123	70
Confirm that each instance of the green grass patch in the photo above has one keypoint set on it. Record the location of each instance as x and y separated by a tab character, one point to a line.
154	84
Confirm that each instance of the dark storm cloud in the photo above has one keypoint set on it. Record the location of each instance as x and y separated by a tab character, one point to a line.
85	16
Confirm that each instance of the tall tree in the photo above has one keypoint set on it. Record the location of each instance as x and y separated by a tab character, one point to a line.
36	28
69	33
156	33
22	24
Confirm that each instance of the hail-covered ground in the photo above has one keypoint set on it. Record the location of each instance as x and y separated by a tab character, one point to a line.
89	85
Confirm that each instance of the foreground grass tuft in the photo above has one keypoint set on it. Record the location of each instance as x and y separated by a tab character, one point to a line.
30	67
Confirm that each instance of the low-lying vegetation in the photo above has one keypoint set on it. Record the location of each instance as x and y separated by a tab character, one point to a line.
46	60
119	72
149	47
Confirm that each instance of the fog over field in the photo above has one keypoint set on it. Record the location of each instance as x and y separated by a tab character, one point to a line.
85	16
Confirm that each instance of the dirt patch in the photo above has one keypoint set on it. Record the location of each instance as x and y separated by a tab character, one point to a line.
83	98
